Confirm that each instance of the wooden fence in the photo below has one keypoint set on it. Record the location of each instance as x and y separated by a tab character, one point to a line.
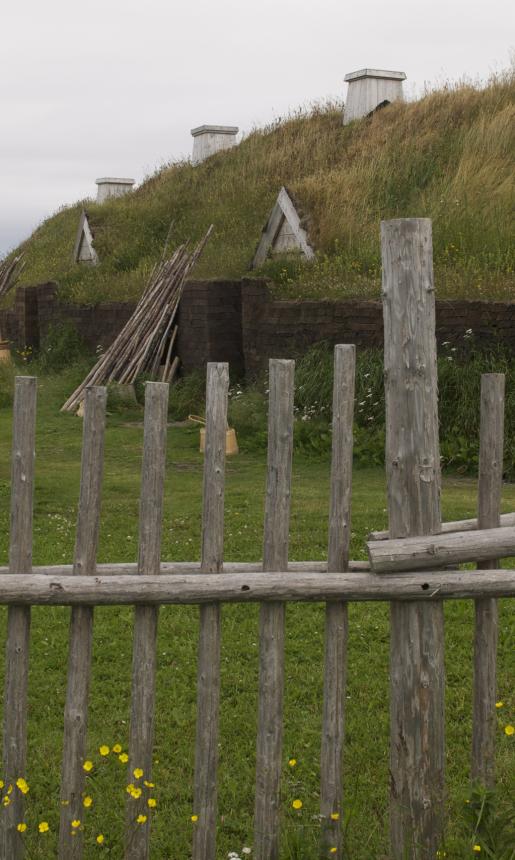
416	595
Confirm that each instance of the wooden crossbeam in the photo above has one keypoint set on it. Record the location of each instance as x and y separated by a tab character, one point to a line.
283	586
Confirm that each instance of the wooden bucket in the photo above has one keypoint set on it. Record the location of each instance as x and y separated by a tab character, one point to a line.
5	350
231	442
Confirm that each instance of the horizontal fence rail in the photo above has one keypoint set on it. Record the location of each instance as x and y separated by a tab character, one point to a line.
254	587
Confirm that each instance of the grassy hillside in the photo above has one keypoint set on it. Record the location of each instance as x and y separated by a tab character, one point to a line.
448	156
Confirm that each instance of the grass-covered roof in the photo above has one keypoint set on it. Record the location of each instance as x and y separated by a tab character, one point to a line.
447	156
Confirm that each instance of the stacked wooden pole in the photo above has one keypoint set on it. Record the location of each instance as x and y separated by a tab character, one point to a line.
145	344
10	270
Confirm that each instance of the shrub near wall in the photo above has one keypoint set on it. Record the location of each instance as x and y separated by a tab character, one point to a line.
459	378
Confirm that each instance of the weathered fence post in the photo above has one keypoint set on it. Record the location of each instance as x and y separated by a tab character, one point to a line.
413	472
81	627
486	628
208	683
146	617
272	615
336	615
18	617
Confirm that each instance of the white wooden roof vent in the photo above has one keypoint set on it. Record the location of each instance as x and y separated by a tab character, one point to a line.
110	186
370	89
208	139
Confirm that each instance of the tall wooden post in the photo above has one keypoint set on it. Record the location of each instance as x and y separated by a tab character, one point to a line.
413	473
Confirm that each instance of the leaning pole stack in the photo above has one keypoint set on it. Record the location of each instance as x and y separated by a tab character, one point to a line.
145	344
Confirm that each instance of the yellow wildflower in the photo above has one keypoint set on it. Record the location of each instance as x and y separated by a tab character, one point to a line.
100	838
499	704
22	785
194	818
43	827
292	762
509	730
124	758
104	750
335	816
297	804
117	748
149	784
141	819
1	783
10	790
138	773
136	793
87	801
6	801
477	848
21	827
76	822
152	802
88	765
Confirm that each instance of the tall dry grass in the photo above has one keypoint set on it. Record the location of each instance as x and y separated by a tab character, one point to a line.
447	156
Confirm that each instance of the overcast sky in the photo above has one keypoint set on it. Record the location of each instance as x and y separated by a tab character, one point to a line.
113	87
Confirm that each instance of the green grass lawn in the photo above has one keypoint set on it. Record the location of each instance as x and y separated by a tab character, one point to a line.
366	754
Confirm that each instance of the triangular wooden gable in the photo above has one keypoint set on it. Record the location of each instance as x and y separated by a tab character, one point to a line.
84	251
283	233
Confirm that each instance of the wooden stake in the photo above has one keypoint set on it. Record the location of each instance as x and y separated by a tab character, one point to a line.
413	473
486	633
208	683
81	628
18	617
146	618
336	617
272	616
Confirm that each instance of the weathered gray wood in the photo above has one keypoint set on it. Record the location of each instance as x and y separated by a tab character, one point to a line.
272	616
254	587
208	676
169	567
487	617
18	617
146	617
419	553
336	615
453	526
81	626
413	471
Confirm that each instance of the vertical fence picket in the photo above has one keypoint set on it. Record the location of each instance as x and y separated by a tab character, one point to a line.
146	619
336	615
272	615
18	617
208	689
413	472
487	621
81	627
